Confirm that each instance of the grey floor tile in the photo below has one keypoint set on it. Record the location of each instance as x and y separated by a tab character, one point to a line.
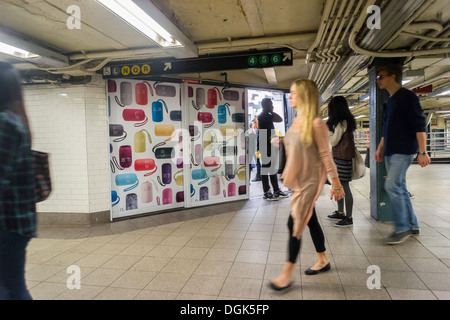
363	293
410	294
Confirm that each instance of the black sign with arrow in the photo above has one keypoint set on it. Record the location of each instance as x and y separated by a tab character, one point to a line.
209	63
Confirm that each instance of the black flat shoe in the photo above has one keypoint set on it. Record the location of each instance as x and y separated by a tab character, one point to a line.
277	288
311	272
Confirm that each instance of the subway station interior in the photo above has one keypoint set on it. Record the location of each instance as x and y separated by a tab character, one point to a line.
134	101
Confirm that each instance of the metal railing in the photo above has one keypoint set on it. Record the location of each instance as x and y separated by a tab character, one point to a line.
438	143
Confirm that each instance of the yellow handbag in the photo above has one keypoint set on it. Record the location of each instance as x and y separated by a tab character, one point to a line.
178	177
165	130
228	130
242	174
139	140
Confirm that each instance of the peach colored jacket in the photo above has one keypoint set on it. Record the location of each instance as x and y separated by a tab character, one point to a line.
306	170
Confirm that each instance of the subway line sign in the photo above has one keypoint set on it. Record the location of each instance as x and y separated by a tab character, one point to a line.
209	63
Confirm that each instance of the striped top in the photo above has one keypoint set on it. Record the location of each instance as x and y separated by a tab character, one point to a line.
17	184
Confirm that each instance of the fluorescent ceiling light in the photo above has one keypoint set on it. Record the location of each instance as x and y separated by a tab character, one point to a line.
361	116
365	97
16	52
141	21
444	93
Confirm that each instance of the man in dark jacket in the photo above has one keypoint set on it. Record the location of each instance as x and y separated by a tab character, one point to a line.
404	136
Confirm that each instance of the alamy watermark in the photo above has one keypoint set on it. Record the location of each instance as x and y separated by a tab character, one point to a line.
74	20
374	20
374	281
74	280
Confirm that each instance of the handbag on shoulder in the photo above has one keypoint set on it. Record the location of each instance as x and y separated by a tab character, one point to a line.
42	175
358	166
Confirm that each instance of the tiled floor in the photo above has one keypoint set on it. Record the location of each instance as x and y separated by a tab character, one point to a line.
232	251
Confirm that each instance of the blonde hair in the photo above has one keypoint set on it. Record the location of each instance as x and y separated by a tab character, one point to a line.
307	105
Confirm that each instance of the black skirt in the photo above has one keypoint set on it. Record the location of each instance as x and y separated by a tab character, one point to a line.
344	169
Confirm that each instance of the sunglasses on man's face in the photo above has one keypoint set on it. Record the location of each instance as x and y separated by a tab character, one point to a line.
381	77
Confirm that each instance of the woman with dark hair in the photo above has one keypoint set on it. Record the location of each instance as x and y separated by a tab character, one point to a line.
17	187
342	124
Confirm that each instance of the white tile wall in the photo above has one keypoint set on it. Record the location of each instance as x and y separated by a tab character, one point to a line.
70	123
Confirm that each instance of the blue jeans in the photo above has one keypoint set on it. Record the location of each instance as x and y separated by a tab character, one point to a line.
395	185
12	266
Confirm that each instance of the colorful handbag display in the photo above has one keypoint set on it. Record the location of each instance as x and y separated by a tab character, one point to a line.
193	132
178	177
164	130
215	186
125	156
131	202
200	99
163	153
116	130
112	86
206	117
203	194
164	90
230	95
242	190
135	115
222	112
241	173
157	110
212	97
228	131
212	161
175	115
238	117
141	93
115	199
126	94
139	140
167	196
147	192
145	165
127	179
179	197
231	189
166	174
228	150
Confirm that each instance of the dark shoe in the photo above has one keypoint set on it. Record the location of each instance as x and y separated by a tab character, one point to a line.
336	215
256	179
277	288
415	232
270	197
280	194
311	272
398	237
345	222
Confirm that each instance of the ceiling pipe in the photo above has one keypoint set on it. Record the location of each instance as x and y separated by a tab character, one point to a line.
326	13
248	42
392	54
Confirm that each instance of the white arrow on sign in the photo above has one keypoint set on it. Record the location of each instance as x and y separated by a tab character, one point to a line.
167	65
287	56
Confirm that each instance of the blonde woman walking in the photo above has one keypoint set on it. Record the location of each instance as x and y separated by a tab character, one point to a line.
308	161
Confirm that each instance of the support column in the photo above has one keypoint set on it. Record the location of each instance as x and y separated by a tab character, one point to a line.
380	209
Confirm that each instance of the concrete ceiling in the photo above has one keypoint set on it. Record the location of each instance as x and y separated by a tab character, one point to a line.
319	32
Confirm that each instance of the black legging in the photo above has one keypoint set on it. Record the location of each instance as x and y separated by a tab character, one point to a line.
316	235
348	200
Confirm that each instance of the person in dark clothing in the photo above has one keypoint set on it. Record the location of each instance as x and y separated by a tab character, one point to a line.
404	135
269	163
17	187
342	124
